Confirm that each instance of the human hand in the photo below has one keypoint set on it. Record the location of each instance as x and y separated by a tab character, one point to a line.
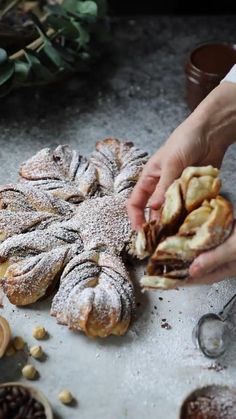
187	146
216	264
200	140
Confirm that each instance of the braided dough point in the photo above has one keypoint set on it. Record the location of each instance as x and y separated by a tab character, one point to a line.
118	165
27	281
194	218
63	172
95	296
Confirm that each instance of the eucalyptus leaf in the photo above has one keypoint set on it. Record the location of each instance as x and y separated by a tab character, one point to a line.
3	56
39	26
22	70
80	8
84	36
68	54
85	56
57	22
87	7
66	27
70	5
6	71
102	7
6	87
56	9
60	60
53	55
38	69
71	29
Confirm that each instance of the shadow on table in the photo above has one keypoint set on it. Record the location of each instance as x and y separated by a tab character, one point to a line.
11	366
143	308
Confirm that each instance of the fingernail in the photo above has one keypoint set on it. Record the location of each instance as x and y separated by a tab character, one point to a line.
155	205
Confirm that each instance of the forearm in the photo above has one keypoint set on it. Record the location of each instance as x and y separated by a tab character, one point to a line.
216	115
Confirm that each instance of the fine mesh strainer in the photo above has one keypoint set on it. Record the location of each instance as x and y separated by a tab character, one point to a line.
214	332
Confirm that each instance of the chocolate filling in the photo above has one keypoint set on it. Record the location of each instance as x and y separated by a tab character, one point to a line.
176	269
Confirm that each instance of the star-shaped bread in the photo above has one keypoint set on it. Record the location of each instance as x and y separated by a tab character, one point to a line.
65	223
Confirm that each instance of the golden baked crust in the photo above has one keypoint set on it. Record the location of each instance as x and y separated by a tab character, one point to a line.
194	218
66	220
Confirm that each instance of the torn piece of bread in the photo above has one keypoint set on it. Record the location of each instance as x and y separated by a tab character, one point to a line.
194	218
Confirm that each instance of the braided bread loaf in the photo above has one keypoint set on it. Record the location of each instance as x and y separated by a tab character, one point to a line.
66	221
194	218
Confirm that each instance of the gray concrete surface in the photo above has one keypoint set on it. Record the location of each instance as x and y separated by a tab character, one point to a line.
138	95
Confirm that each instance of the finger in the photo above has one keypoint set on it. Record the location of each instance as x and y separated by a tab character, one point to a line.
228	270
169	173
212	259
154	215
142	192
139	198
136	216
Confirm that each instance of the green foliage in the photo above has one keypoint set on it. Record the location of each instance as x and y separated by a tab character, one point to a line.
68	36
7	67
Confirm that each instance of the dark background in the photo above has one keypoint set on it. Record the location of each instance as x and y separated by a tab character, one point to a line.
172	7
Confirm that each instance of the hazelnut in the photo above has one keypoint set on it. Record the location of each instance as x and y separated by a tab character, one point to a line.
39	332
29	372
65	397
18	343
10	350
36	352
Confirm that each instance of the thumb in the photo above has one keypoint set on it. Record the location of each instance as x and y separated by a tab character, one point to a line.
168	175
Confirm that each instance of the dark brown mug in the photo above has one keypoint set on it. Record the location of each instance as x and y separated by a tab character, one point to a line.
206	66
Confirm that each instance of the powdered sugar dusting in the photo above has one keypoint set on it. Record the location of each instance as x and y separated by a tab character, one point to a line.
23	197
104	222
18	222
28	279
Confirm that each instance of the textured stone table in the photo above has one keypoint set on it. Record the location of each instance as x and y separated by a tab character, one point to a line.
137	95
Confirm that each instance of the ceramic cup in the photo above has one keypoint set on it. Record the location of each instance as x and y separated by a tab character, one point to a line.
206	66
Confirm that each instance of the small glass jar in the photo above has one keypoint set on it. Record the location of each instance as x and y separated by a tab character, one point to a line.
206	66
